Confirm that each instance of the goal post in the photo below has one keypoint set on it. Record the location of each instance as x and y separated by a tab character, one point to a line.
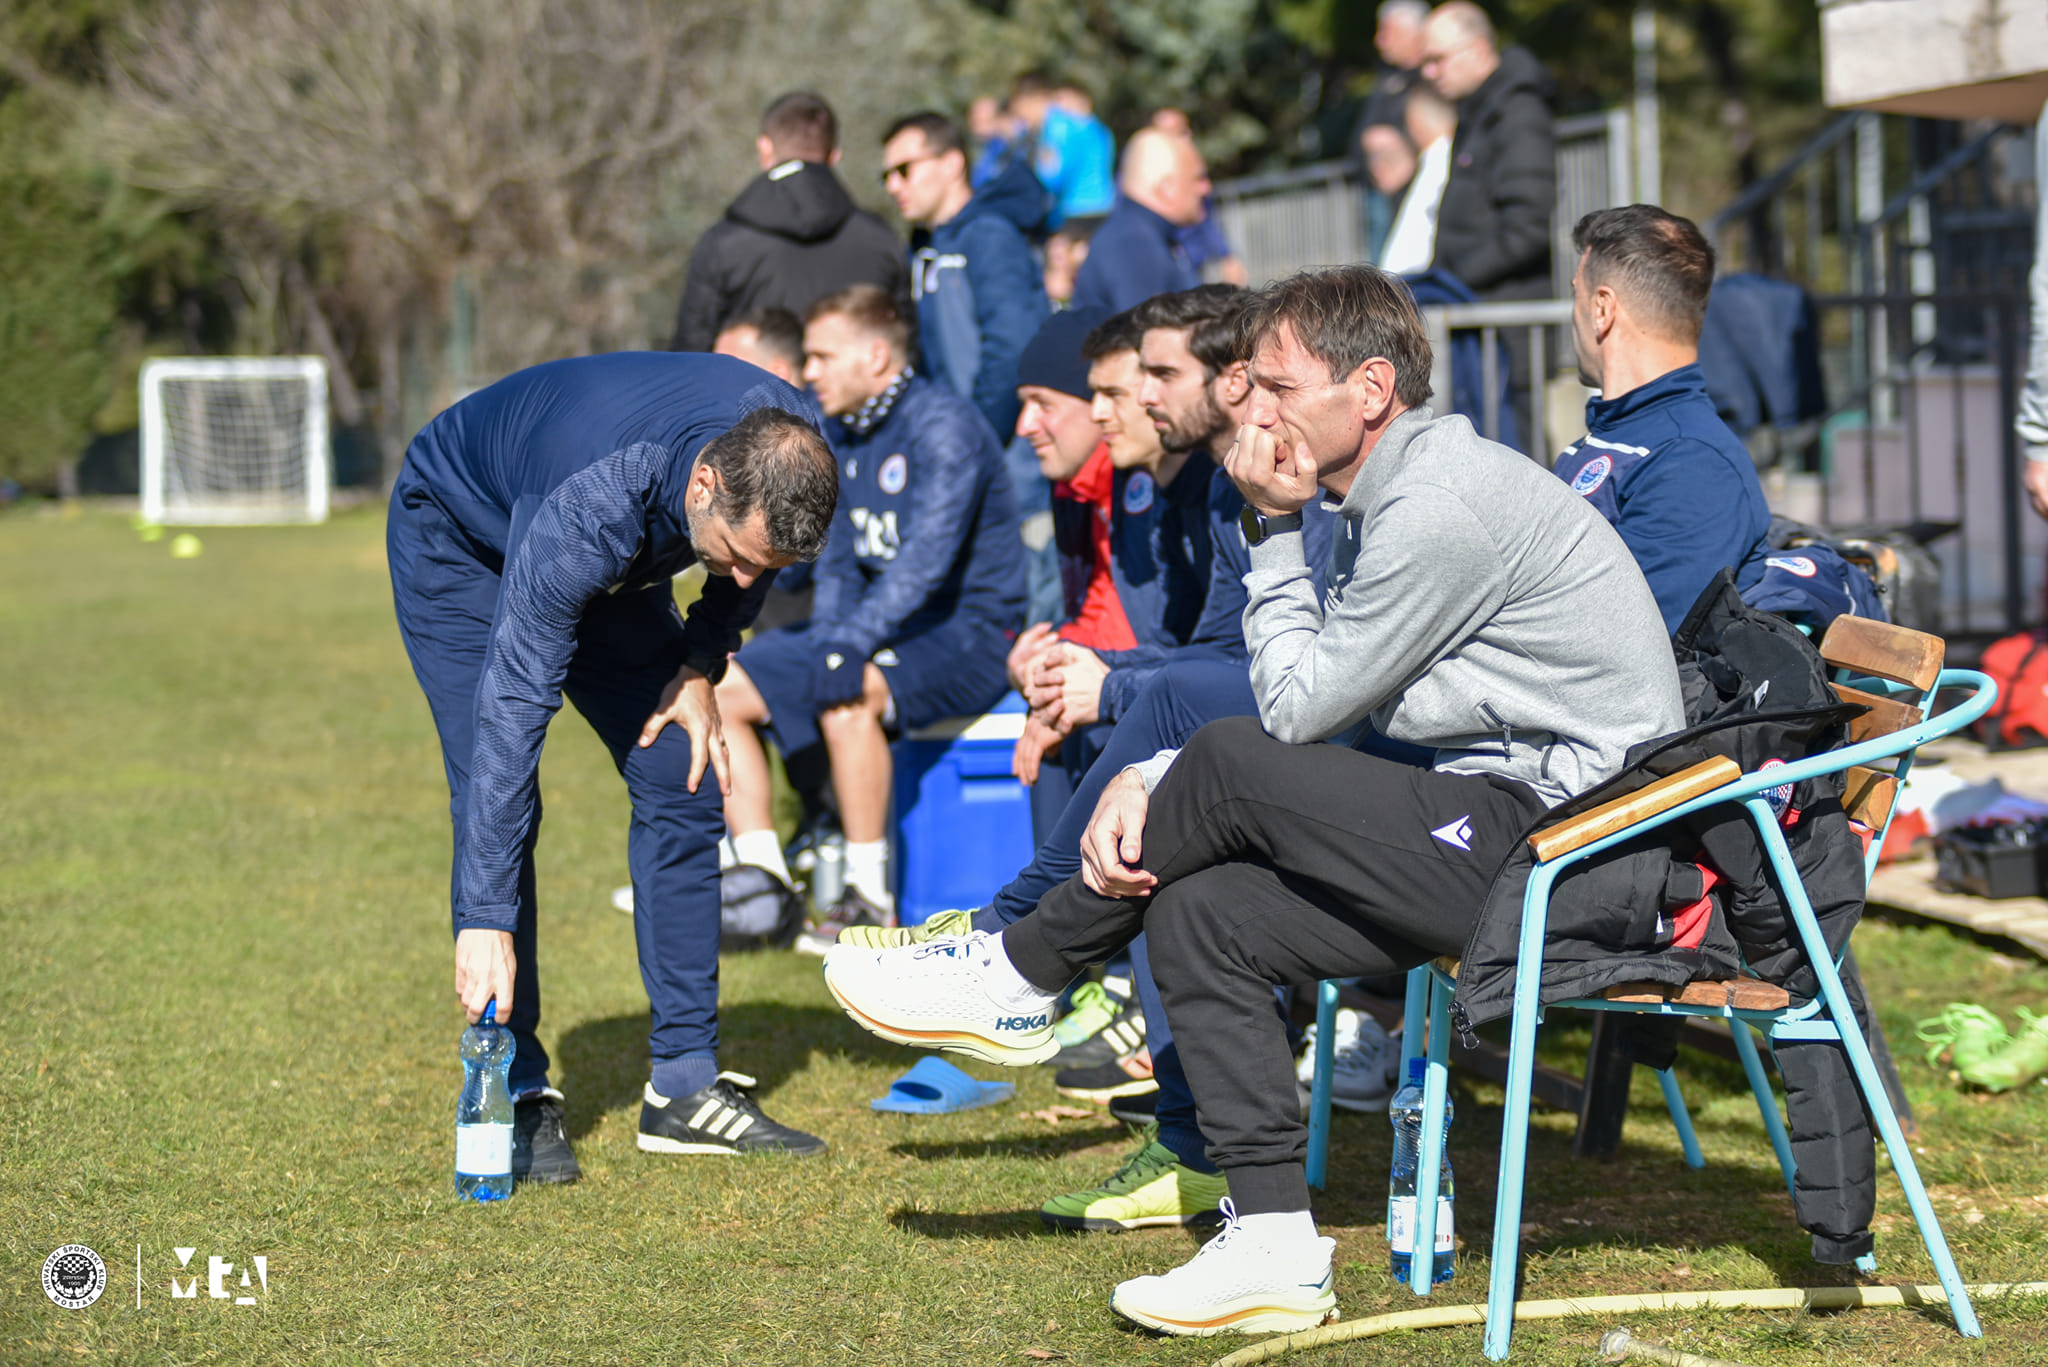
235	439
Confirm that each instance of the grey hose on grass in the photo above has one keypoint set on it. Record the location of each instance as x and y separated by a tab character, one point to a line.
1616	1344
1787	1298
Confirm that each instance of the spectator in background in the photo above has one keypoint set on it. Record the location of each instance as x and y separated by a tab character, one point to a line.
2032	419
1398	39
995	138
979	298
1065	251
770	338
1430	121
1136	253
919	588
1494	227
792	236
1207	248
1072	151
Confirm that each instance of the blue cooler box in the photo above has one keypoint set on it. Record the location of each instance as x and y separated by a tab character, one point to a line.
962	822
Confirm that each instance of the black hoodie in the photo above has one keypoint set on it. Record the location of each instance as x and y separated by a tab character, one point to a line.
1493	230
792	236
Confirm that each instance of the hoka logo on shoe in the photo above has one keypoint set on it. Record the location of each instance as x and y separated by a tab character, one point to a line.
1038	1022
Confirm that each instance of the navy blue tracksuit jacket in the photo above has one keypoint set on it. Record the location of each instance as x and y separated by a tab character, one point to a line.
1660	465
533	534
927	530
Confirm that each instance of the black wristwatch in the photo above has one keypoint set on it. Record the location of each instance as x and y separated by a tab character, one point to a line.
711	665
1256	526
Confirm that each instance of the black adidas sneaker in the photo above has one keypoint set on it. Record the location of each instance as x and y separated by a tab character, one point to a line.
1122	1037
720	1118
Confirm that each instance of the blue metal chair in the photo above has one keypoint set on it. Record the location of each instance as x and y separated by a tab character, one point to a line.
1896	674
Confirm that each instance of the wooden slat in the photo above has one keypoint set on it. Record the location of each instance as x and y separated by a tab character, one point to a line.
1883	651
1640	805
1869	796
1884	717
1744	994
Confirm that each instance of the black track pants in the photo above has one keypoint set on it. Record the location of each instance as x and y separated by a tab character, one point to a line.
1279	863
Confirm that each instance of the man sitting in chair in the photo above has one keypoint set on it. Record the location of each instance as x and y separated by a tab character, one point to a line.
1474	607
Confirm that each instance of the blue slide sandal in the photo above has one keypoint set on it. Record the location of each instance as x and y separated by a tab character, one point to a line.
936	1087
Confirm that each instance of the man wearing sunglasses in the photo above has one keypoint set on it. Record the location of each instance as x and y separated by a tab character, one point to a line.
978	291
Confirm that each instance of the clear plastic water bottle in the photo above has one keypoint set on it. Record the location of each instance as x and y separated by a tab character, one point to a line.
483	1115
828	875
1405	1111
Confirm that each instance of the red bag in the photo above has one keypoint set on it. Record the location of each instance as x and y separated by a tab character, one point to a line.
2019	719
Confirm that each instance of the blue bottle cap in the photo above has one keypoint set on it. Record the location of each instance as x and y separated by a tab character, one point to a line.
490	1012
1415	1070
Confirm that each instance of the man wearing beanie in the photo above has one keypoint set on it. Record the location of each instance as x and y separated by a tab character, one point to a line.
1057	419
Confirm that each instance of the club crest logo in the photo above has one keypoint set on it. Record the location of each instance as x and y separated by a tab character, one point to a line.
1592	475
1793	564
74	1276
1779	797
894	474
1138	493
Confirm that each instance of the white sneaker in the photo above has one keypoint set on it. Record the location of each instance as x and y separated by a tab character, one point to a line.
944	994
1233	1285
1363	1062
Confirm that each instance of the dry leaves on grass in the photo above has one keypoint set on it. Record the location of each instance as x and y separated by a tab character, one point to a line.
1042	1354
1053	1115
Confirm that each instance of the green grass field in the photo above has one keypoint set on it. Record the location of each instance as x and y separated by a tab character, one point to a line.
227	1023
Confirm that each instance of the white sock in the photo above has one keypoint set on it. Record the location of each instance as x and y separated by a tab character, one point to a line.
763	850
867	871
1005	982
1282	1231
726	857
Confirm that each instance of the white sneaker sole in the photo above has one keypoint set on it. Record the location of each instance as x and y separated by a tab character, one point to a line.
1245	1315
1035	1046
654	1143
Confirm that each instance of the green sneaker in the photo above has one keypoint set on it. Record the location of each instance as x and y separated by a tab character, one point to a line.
1151	1188
956	922
2023	1058
1092	1009
1969	1033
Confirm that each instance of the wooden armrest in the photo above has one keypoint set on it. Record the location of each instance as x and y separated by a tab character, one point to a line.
1641	805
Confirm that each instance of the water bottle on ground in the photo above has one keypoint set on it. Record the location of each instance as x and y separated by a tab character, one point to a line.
828	875
1405	1111
483	1115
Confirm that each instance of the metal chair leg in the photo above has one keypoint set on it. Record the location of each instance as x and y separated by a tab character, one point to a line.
1319	1088
1681	1118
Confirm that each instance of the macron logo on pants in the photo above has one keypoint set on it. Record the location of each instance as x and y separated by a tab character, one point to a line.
1457	834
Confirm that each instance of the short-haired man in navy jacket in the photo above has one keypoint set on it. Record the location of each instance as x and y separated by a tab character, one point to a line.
534	531
1656	460
919	591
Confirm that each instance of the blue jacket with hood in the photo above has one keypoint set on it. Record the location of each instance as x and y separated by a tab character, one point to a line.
979	295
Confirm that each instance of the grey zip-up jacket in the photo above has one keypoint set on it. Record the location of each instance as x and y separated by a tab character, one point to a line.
1475	606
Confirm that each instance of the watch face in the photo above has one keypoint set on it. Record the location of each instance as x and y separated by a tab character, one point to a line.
1249	524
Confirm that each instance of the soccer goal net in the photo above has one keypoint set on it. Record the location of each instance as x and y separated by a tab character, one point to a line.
235	439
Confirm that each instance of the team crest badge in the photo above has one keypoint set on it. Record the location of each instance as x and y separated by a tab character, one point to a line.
1794	564
1592	475
74	1276
1138	493
895	472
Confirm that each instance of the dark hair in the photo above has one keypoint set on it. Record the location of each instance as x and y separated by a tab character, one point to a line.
941	134
1208	313
1118	332
870	308
775	462
1079	231
780	331
1658	263
1344	316
1034	82
801	126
